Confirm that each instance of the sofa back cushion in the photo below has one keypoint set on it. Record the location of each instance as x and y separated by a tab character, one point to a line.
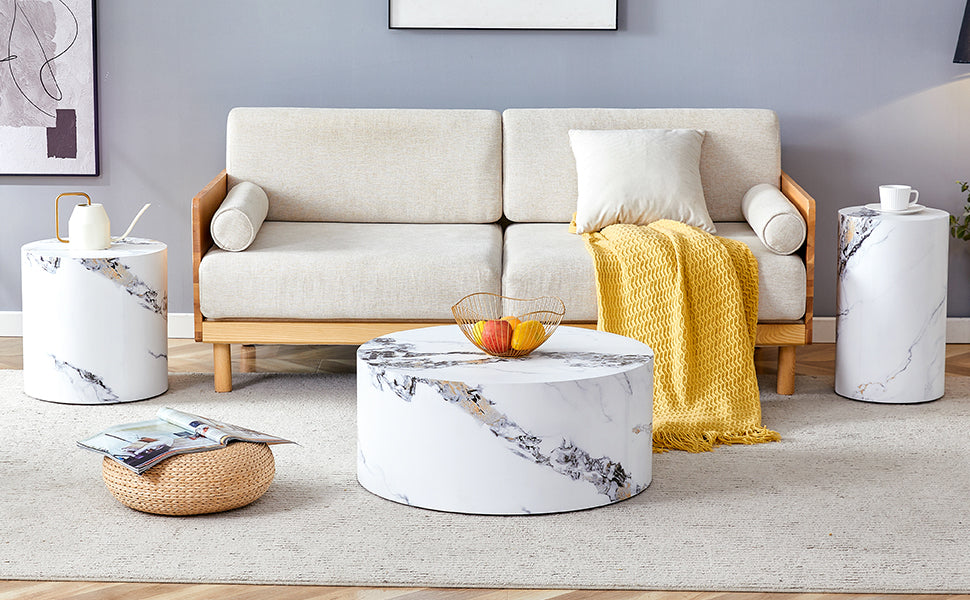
741	148
370	165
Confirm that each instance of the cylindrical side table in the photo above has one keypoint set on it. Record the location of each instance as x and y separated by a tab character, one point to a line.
891	302
95	322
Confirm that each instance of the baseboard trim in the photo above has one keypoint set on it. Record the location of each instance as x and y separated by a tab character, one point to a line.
957	330
823	330
11	323
182	325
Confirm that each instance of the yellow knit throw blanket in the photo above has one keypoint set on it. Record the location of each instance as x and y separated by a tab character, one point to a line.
693	298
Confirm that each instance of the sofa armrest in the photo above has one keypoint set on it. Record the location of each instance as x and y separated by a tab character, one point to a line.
204	205
806	206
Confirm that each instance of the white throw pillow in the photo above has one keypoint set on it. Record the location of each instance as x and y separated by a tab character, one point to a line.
775	220
237	221
638	176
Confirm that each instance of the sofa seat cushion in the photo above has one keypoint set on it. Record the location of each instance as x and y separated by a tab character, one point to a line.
355	271
781	278
544	259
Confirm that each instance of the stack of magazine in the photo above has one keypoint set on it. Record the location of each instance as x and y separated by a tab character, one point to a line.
140	446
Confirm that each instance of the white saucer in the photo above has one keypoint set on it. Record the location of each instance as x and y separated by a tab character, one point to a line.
906	211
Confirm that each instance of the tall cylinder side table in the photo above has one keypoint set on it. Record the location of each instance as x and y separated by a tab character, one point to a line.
95	322
891	304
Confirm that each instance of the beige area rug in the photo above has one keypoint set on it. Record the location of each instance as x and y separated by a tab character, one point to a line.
856	497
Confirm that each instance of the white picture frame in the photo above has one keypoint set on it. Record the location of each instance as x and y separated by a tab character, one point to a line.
48	84
502	14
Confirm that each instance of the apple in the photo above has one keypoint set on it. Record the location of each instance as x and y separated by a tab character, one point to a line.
497	336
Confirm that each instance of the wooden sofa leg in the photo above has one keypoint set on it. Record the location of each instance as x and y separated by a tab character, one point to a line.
247	359
786	370
222	363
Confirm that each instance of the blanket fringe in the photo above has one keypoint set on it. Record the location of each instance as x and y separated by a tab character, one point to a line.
705	441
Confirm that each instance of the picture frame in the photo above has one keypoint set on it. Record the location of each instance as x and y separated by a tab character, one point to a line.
48	83
503	14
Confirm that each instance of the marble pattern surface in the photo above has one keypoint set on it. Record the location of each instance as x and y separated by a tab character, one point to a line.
443	425
95	322
891	305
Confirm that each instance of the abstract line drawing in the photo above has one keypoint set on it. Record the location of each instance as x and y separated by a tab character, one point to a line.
48	96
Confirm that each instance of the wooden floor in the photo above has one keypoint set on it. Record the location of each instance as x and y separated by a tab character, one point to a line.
162	591
187	356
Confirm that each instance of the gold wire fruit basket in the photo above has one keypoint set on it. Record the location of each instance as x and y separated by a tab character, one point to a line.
507	327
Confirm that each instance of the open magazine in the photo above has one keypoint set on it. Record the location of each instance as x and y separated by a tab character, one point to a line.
140	446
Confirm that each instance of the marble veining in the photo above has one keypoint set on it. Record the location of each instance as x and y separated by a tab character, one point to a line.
853	233
362	461
47	264
891	305
120	274
388	353
865	389
443	425
606	475
88	385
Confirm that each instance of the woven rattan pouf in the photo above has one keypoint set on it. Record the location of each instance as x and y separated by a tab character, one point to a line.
196	483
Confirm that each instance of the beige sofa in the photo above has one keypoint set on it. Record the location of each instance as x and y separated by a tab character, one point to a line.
379	220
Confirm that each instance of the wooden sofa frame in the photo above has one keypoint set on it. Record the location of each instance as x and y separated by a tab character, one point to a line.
223	332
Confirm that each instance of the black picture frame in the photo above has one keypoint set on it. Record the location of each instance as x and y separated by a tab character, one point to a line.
562	15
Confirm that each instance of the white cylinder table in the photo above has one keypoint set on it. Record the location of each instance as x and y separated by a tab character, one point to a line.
891	302
442	425
95	322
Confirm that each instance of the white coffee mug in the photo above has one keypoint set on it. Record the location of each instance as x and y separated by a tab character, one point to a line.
897	197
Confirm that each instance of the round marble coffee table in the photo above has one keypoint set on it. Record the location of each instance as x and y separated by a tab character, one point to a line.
95	322
442	425
891	300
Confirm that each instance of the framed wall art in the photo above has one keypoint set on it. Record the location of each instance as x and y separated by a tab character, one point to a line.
502	14
48	96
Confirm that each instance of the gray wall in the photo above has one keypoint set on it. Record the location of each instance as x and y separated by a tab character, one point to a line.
865	89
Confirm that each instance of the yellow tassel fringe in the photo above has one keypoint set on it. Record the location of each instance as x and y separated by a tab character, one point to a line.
705	441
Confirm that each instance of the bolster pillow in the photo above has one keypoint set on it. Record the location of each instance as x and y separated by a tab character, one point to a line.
775	220
239	217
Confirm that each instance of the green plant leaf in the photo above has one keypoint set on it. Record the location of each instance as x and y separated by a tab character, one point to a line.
960	228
